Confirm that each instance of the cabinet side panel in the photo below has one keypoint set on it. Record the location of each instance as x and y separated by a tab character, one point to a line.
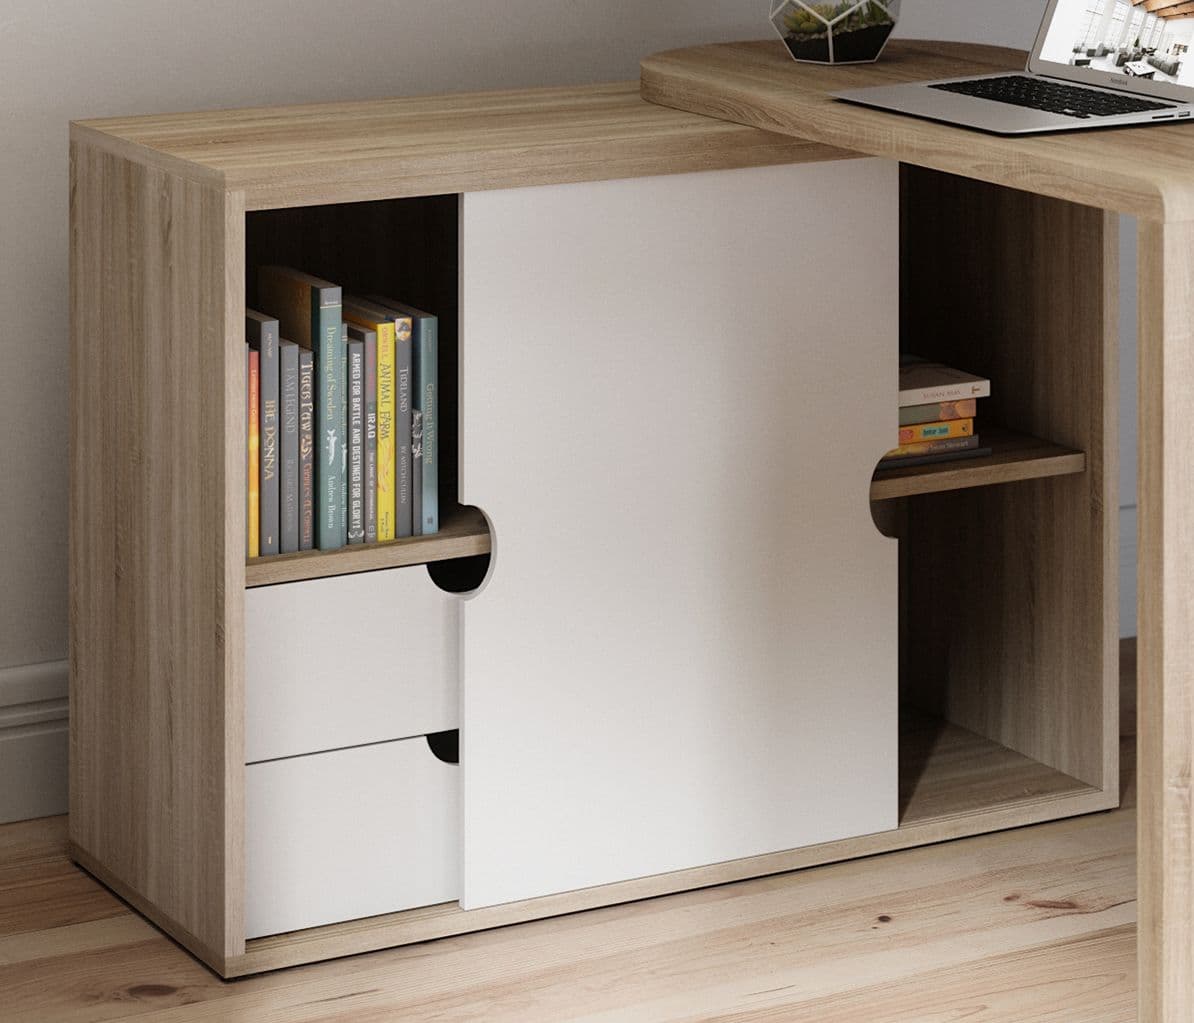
156	550
673	394
1166	662
1011	599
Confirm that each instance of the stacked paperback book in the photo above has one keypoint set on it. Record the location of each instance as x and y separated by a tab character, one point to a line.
937	410
341	413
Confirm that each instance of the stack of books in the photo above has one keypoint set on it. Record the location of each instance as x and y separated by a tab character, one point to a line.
340	403
937	410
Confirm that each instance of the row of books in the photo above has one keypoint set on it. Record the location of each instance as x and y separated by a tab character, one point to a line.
938	405
341	394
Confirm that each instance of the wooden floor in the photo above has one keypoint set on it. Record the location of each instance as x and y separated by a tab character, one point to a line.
1030	925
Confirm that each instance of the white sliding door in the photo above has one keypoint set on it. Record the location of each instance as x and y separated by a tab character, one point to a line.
674	391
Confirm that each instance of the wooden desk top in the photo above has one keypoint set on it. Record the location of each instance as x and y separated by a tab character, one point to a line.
377	149
1147	171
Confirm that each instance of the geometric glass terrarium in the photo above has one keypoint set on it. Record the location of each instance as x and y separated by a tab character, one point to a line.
849	32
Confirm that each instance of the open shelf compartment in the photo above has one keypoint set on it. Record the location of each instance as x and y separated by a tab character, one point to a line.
405	249
948	772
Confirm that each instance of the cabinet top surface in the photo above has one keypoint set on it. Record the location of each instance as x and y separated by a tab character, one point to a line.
1148	171
389	148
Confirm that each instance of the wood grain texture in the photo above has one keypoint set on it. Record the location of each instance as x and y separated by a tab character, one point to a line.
1014	456
463	533
1010	608
948	772
156	539
382	149
1145	171
1166	640
1035	924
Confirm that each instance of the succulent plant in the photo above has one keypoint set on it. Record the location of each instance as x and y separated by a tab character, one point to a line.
813	19
803	20
868	14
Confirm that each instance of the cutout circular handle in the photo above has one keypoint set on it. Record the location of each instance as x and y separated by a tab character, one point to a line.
445	745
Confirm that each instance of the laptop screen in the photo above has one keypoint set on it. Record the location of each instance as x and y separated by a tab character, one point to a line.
1133	44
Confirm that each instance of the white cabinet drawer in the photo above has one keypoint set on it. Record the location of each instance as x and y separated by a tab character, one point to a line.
349	834
331	663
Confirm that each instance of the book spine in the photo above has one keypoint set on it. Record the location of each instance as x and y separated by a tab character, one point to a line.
248	517
933	447
270	383
254	455
416	475
386	376
343	381
427	373
356	442
403	455
327	333
948	392
288	471
936	431
371	437
306	370
938	412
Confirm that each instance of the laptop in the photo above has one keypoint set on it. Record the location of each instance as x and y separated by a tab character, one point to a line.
1095	64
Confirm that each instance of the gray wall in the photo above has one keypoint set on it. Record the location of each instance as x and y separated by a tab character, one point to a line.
63	59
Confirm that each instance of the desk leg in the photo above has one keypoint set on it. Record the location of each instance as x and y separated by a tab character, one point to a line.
1166	580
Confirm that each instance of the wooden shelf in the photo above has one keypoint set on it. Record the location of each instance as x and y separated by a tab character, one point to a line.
1014	456
947	772
463	533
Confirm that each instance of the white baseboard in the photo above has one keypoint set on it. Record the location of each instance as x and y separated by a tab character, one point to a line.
33	741
1127	572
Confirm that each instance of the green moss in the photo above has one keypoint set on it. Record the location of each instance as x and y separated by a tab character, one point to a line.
801	21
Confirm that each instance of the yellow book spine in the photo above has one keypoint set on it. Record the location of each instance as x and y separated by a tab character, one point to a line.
936	431
254	480
386	410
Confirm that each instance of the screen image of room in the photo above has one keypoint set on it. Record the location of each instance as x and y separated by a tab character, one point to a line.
1138	38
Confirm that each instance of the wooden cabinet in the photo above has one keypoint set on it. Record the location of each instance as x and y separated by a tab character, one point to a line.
695	641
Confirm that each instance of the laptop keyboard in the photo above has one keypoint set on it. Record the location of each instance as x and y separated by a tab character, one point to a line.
1052	97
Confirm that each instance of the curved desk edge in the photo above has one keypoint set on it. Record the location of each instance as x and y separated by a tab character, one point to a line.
1146	171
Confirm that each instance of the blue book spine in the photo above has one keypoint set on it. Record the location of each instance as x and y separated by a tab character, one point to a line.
307	445
416	476
426	367
288	463
327	332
